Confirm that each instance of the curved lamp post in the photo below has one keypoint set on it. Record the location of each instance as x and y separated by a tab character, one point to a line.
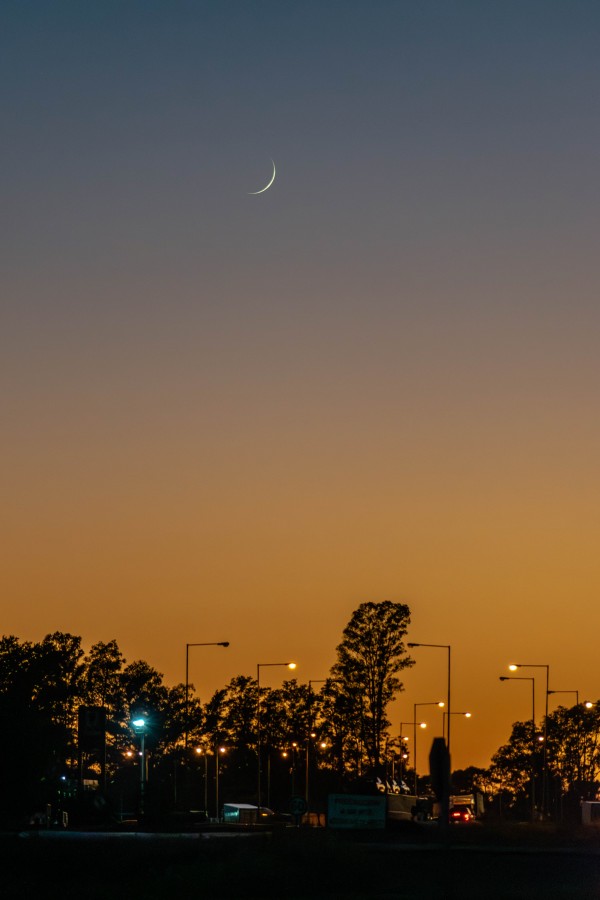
513	668
414	723
441	705
218	751
259	666
532	680
187	680
449	649
467	715
140	724
201	751
568	692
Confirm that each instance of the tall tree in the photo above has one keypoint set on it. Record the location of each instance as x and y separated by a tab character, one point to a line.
369	659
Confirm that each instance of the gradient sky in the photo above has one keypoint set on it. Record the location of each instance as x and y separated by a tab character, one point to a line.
235	417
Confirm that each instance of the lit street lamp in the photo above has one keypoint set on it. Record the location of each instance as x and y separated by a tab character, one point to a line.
259	666
201	752
439	703
218	751
312	733
403	755
467	715
414	723
139	727
513	668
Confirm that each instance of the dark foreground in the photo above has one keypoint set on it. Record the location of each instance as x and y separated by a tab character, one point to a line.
298	865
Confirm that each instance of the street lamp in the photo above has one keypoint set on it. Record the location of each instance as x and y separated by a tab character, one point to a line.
403	755
532	680
414	723
569	692
312	733
467	715
448	648
513	668
218	751
139	727
439	703
202	752
187	680
259	666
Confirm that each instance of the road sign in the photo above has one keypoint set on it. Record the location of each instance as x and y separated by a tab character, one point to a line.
298	806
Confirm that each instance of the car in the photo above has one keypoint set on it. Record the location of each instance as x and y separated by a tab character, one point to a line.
459	814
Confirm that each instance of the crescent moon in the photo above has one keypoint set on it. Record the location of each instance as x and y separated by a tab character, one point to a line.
267	186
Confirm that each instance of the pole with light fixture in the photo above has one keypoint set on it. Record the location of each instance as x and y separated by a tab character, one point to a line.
513	668
439	703
187	681
532	680
259	666
449	649
139	726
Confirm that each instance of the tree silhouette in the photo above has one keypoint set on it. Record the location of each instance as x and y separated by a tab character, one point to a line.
368	661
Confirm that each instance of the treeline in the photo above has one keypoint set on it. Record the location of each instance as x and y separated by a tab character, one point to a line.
335	736
339	731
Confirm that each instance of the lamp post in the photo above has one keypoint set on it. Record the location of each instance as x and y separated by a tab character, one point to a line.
403	755
449	649
187	680
467	715
439	703
201	752
414	723
312	733
218	750
139	727
568	692
532	680
259	666
513	668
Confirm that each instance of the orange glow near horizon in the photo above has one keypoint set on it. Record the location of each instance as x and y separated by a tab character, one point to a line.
240	417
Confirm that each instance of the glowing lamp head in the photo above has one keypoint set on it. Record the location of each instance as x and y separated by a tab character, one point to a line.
588	704
422	724
513	668
468	715
138	723
292	665
441	704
